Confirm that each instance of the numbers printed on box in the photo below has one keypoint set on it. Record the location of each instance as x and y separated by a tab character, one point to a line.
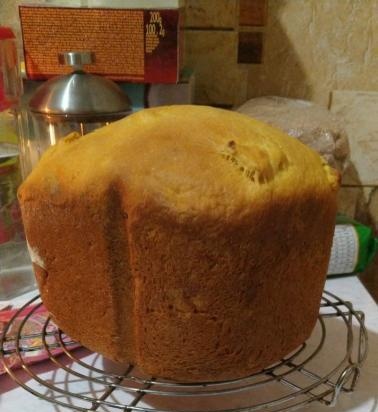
150	29
154	30
162	30
155	17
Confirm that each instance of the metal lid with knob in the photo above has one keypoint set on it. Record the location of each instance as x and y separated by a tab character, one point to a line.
79	96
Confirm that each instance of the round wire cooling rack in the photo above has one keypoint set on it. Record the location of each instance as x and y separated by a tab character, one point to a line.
327	364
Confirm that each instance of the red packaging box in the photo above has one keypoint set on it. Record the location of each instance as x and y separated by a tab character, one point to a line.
135	45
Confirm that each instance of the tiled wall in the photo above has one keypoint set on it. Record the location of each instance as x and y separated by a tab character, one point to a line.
309	47
322	50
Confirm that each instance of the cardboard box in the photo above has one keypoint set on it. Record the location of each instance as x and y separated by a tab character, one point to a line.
130	43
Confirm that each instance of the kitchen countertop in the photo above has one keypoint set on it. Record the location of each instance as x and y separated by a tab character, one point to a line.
363	399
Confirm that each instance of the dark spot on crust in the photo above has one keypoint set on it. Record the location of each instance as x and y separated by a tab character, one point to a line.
231	144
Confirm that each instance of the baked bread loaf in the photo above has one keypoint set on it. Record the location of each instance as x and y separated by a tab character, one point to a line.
190	241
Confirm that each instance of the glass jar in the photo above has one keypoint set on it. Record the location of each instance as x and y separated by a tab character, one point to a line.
16	274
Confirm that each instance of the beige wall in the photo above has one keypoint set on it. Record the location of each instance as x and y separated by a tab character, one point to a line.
315	46
311	47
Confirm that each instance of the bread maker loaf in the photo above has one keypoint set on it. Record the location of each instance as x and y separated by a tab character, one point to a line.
190	241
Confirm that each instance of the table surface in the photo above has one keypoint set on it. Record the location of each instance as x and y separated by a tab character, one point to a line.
363	399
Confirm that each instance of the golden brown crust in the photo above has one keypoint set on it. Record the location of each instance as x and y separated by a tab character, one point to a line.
191	241
81	245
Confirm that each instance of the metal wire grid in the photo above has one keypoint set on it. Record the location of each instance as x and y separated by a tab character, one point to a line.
286	386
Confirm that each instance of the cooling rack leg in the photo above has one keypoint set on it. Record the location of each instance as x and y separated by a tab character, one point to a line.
349	373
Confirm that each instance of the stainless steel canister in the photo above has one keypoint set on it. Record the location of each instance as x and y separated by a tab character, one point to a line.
78	101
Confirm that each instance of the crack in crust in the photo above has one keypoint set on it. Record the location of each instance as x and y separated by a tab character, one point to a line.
263	168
